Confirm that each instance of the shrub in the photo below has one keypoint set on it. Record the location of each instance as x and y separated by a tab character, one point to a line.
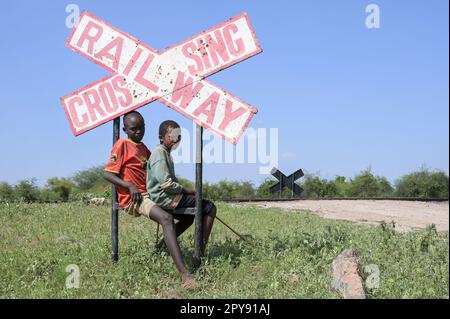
341	186
89	178
27	190
245	190
316	187
7	193
423	184
228	190
61	187
263	190
366	184
46	195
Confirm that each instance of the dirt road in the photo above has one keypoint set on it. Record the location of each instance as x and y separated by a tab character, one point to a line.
407	215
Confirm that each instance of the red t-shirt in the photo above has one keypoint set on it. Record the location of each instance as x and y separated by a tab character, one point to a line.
128	160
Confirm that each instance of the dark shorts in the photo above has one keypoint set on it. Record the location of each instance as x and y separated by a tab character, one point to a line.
189	201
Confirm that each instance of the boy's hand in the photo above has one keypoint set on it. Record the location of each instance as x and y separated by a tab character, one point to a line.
136	195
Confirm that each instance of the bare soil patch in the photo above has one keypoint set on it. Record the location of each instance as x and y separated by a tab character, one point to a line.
407	215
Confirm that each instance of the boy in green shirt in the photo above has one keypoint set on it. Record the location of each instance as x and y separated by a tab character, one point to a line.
163	186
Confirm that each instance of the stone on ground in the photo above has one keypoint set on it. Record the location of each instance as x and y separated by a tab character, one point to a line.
346	271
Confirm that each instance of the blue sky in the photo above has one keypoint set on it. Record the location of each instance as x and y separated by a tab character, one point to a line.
343	97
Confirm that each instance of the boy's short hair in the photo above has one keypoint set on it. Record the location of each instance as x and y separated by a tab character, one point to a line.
135	113
165	125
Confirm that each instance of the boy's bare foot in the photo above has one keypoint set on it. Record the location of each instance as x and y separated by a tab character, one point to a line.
188	282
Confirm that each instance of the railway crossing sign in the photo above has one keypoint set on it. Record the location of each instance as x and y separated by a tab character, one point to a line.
174	76
286	181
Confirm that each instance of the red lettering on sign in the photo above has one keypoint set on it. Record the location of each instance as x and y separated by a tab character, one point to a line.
184	90
210	102
190	55
74	114
116	44
127	98
230	115
140	76
203	53
132	61
240	48
86	36
211	47
107	94
93	104
217	46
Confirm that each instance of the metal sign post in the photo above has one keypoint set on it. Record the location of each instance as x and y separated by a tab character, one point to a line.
198	196
114	202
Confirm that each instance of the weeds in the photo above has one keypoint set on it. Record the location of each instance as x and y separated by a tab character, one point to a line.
289	256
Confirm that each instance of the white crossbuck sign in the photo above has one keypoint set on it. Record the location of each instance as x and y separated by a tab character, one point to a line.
174	76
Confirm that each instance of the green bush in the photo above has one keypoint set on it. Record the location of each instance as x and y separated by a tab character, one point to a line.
7	193
263	190
89	178
46	195
316	187
365	184
90	183
423	184
61	187
228	190
341	186
246	190
27	190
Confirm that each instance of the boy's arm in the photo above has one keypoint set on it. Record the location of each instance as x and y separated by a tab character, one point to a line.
136	195
113	167
162	175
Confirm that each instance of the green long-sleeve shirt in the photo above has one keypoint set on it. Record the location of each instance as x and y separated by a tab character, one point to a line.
162	185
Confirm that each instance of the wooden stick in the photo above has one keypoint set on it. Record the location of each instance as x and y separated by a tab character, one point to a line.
239	235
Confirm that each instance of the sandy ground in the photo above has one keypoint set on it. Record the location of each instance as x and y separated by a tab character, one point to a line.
408	215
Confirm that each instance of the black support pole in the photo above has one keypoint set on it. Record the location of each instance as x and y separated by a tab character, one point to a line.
292	187
114	203
281	185
198	196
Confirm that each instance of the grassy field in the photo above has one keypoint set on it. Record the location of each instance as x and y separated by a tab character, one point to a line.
289	257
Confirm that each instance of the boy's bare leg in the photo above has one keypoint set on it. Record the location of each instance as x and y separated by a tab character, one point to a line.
208	221
166	220
180	227
184	223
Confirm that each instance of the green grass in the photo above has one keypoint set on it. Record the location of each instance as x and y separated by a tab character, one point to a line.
290	255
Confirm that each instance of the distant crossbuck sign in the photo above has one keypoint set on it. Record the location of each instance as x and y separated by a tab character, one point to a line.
286	181
174	76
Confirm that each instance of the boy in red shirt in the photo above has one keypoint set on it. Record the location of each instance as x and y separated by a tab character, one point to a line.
127	170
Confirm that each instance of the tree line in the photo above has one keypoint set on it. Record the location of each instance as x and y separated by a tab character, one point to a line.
89	183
